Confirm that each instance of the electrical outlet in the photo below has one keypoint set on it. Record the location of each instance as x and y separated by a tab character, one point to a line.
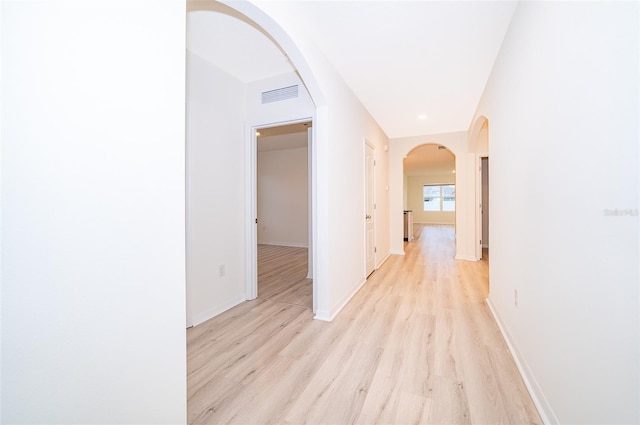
221	270
515	297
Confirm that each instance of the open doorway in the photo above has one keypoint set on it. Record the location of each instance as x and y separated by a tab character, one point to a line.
480	145
484	222
283	198
429	190
484	206
228	98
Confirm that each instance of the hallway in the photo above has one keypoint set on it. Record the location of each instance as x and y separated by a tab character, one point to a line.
417	344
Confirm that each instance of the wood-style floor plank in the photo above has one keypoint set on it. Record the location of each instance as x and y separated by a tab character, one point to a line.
416	345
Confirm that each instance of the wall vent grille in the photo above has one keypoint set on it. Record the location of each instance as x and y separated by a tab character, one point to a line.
277	95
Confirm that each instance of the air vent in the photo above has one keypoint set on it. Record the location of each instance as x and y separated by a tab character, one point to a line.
277	95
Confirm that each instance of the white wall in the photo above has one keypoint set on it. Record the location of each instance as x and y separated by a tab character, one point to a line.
562	104
465	189
215	190
296	109
415	198
405	193
482	144
351	124
283	193
93	285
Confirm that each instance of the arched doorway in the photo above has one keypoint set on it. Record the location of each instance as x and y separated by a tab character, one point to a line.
429	187
457	143
225	105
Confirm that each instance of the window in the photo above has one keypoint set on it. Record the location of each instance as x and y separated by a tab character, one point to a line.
439	197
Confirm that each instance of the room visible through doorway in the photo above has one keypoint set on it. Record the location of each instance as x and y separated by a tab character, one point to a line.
485	207
283	201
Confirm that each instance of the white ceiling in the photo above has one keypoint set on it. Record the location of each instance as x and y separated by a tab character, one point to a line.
406	58
401	58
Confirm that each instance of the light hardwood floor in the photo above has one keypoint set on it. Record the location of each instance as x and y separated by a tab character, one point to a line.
282	275
416	345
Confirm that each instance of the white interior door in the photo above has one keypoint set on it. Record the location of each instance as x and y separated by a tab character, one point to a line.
370	243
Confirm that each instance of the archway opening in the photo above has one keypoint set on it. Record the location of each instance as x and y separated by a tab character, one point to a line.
239	80
234	66
429	193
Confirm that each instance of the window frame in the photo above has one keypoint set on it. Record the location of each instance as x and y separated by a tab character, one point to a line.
441	197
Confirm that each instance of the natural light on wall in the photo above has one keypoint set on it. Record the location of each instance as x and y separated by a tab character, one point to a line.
439	197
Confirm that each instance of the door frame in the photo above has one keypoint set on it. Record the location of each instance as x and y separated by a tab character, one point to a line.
478	204
251	205
366	144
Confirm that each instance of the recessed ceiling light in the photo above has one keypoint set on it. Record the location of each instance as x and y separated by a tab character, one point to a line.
257	133
454	171
422	116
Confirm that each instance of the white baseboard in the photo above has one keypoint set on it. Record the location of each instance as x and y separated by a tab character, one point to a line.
540	401
290	244
322	315
484	245
397	252
213	312
465	258
328	316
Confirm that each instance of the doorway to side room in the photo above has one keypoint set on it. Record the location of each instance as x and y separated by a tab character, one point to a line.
283	200
484	206
228	98
479	143
484	222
